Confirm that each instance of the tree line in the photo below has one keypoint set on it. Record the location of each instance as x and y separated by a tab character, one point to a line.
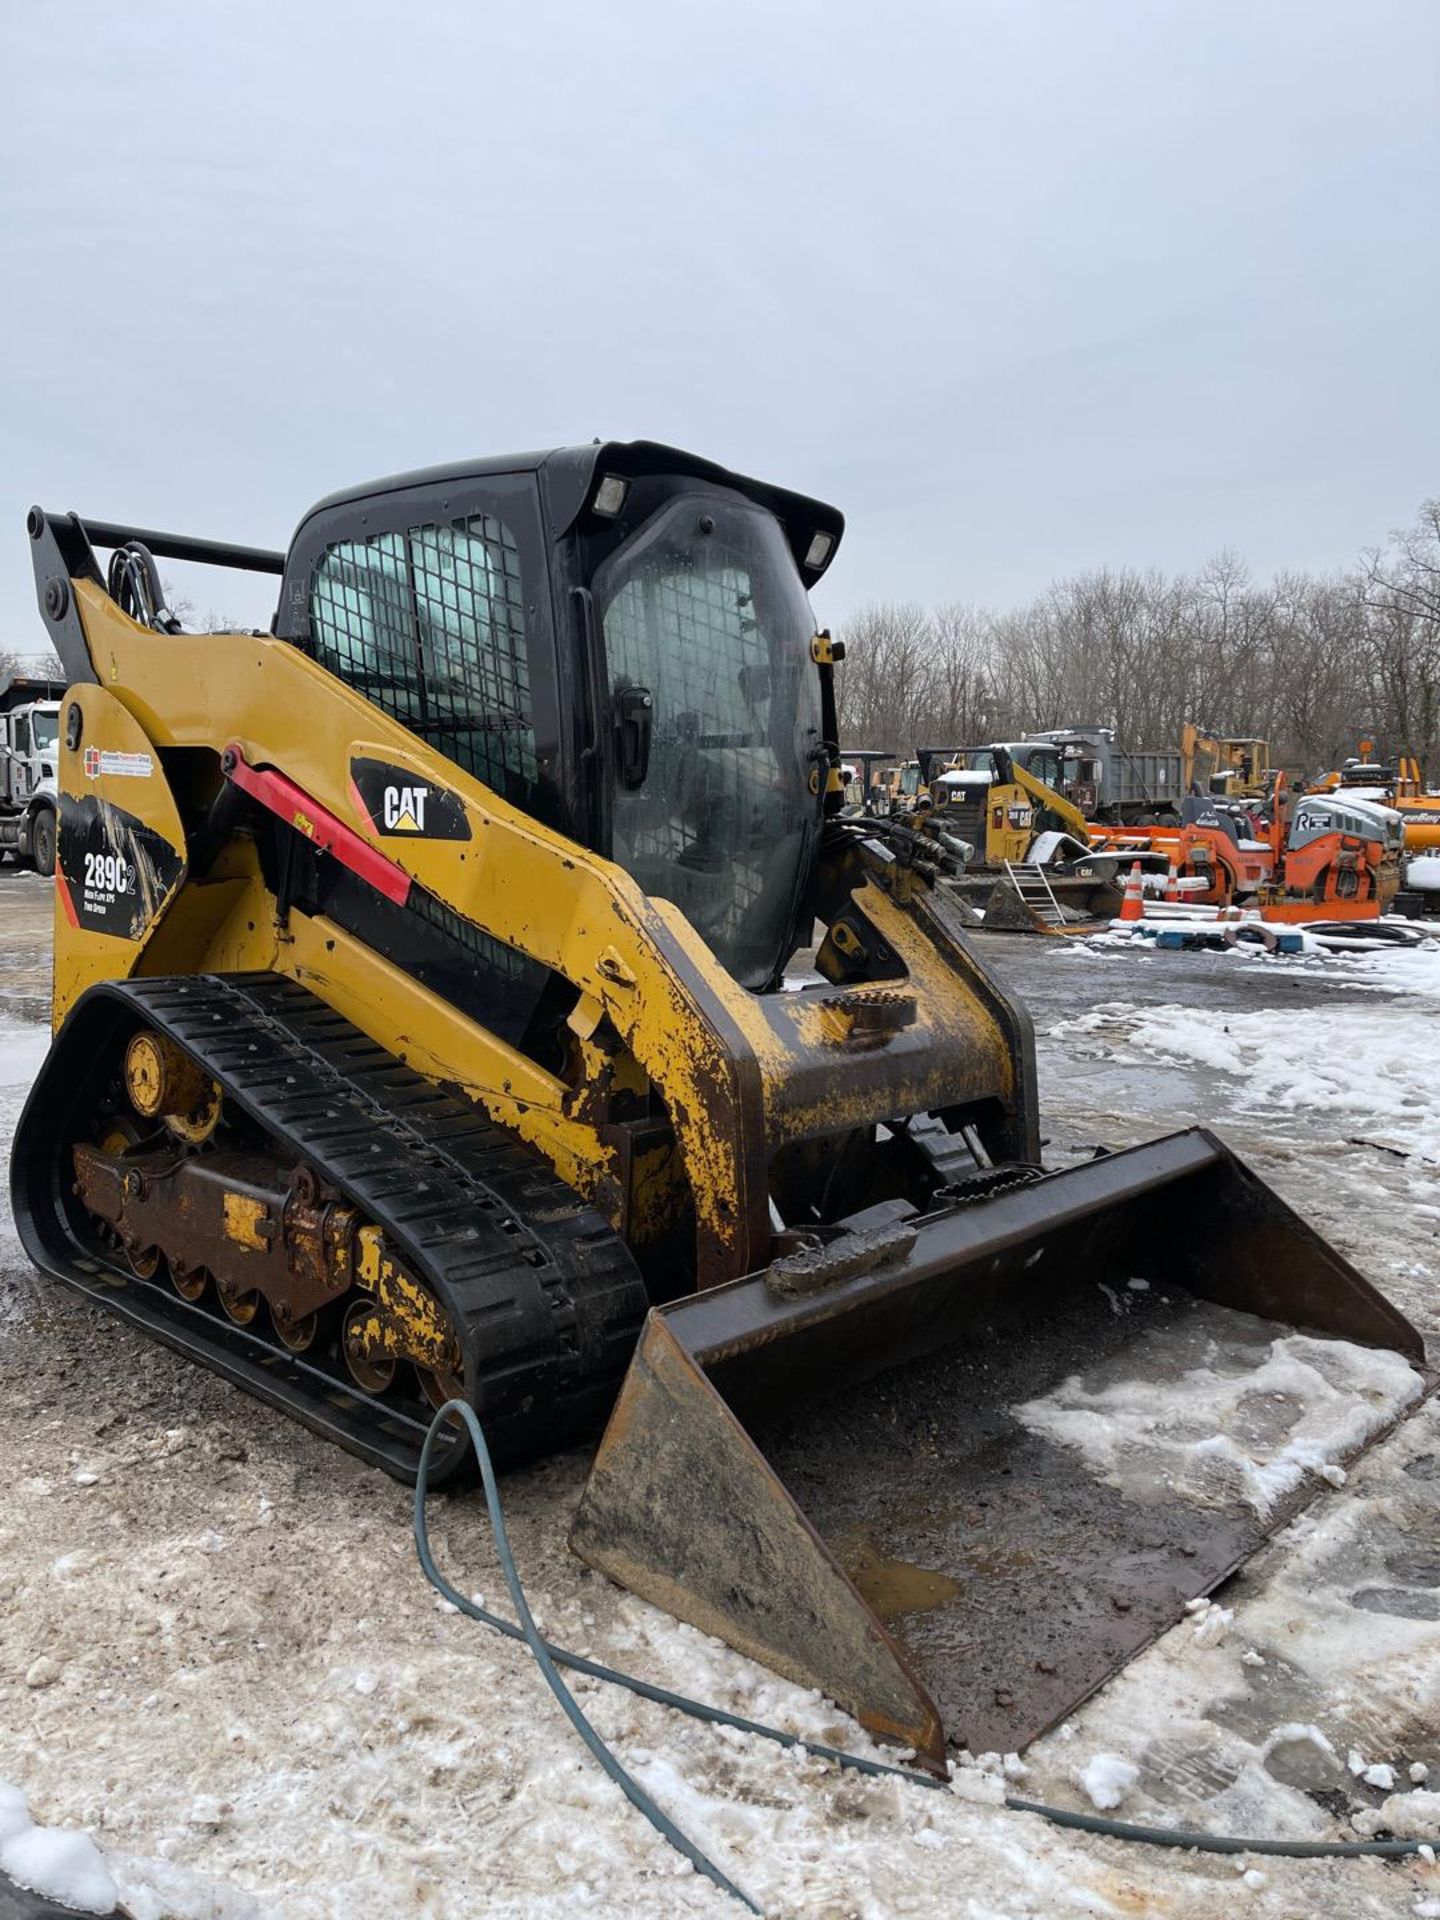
1313	664
44	665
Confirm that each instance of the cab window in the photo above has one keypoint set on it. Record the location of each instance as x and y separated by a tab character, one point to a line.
429	623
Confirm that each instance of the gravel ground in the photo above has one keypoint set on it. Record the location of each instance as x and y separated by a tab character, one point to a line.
218	1656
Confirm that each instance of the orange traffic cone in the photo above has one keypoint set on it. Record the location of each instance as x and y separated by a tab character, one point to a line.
1133	905
1172	883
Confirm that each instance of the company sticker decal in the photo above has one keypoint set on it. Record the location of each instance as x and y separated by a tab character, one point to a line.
403	806
124	766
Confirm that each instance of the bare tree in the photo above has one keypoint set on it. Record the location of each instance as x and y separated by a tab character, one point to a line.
1310	664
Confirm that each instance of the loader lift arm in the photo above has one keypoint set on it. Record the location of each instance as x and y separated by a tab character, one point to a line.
1008	769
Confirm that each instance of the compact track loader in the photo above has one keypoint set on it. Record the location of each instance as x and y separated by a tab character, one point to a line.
426	1025
1033	869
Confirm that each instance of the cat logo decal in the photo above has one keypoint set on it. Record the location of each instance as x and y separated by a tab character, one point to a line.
401	807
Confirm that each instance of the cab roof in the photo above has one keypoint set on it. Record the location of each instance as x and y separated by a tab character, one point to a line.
568	474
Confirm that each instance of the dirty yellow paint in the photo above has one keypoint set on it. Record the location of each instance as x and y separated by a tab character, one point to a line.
407	1321
83	957
367	1267
244	1218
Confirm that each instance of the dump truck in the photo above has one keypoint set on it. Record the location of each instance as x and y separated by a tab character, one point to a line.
1107	782
1139	786
29	727
425	1027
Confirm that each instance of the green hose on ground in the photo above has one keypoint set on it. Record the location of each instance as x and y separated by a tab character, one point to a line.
550	1658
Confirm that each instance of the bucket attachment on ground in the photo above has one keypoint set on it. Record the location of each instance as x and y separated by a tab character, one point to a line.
1032	900
957	1475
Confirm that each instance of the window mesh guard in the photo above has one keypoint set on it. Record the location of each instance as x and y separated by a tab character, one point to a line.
430	625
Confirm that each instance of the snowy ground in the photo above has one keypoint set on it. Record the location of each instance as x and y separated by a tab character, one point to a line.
218	1657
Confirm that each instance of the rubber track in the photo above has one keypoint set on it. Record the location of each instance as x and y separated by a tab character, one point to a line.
545	1296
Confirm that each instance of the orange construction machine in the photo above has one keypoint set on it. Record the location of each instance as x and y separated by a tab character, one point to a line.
1400	787
1329	855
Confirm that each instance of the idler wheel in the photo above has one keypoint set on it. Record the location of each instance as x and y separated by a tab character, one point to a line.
295	1335
188	1282
371	1373
165	1084
237	1305
440	1386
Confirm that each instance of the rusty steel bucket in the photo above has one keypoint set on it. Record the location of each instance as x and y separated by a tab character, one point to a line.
839	1476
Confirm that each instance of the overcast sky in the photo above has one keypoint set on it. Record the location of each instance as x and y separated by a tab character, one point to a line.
1024	286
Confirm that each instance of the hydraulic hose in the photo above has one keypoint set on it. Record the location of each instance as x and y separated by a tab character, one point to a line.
549	1658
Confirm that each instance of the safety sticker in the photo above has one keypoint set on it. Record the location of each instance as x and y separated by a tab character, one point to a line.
124	766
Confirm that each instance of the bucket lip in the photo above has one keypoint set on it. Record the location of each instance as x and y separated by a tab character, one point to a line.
741	1316
705	1323
661	1363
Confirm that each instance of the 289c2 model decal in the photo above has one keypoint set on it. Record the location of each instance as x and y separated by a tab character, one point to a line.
115	872
404	807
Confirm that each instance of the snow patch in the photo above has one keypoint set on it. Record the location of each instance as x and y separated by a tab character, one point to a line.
53	1861
1212	1626
21	1051
1366	1069
1107	1779
1292	1732
1409	1816
1216	1437
973	1783
14	1812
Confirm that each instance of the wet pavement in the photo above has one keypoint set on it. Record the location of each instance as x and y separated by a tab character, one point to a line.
27	911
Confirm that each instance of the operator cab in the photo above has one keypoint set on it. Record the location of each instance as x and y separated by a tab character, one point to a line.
617	640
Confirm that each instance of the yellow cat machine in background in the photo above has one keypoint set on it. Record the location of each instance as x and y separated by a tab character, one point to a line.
1229	769
1033	868
423	1029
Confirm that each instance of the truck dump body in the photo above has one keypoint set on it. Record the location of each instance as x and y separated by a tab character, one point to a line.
1111	782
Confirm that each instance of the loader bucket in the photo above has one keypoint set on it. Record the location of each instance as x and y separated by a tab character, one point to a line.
924	1488
1057	903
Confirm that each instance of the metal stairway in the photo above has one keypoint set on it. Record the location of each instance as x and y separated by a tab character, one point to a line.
1036	893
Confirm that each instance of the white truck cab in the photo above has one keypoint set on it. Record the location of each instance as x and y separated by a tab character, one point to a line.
29	747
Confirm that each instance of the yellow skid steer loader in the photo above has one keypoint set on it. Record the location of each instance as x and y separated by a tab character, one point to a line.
426	1025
